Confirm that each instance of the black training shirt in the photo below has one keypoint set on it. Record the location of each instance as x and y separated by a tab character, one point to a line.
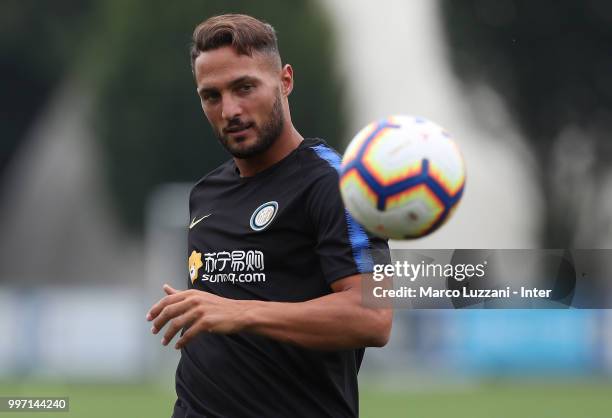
281	235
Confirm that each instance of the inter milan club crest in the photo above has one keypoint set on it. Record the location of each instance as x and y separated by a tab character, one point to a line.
263	215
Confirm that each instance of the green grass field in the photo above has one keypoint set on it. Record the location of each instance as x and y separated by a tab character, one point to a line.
496	400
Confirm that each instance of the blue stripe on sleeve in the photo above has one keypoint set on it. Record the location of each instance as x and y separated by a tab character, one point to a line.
360	243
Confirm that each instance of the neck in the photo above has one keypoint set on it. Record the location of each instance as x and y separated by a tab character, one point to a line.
289	140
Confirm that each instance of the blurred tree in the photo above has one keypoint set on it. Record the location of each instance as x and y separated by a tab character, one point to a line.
148	114
38	45
550	61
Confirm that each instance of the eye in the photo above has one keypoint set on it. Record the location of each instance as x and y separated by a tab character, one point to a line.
245	88
210	97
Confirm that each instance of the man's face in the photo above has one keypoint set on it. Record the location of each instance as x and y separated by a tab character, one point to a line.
241	97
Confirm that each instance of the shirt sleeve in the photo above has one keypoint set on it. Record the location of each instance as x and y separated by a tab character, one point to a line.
343	246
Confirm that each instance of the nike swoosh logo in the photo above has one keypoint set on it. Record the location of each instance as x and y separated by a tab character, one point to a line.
195	221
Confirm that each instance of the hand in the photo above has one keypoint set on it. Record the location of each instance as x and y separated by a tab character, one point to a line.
197	311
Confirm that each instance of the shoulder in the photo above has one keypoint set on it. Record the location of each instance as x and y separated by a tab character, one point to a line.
318	159
320	167
222	173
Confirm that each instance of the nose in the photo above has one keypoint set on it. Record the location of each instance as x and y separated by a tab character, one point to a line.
230	108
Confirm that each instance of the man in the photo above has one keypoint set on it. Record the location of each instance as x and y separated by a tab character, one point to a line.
273	321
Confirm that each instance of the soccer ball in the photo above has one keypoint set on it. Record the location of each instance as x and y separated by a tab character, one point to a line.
402	177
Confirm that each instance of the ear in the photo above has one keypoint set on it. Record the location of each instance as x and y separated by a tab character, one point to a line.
287	80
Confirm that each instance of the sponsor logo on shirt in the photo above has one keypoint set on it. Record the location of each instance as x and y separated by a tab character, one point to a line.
228	266
195	263
263	215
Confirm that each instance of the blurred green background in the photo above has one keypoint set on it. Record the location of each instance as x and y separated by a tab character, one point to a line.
502	400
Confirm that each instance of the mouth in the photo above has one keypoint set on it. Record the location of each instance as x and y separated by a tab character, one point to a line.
237	131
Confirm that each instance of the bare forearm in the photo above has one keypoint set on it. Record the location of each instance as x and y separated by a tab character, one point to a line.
335	321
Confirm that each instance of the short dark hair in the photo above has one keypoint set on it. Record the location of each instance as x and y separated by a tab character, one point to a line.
242	32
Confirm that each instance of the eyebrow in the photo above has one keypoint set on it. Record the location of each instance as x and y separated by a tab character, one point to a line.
231	84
